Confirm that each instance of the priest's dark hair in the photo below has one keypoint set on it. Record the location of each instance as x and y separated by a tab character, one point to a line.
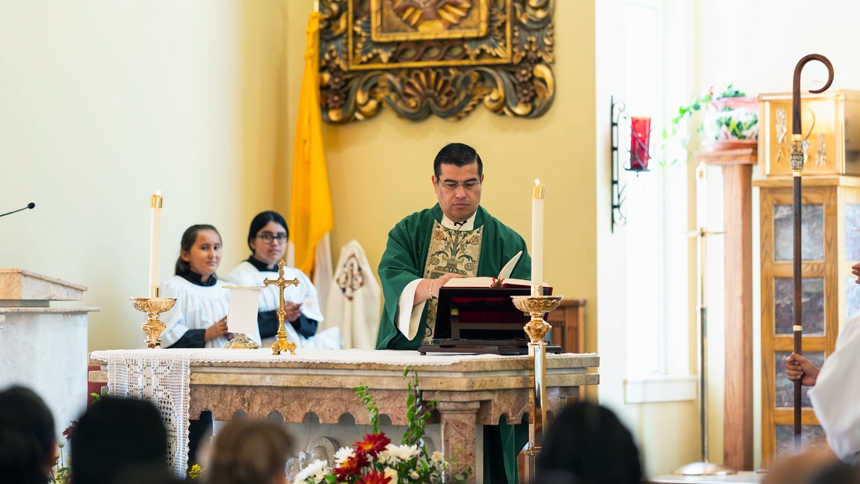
188	239
118	438
27	440
587	443
457	154
261	220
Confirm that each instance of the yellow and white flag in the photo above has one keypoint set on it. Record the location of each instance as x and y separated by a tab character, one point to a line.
311	217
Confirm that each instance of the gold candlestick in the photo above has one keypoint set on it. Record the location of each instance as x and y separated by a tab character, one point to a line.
152	306
282	344
536	305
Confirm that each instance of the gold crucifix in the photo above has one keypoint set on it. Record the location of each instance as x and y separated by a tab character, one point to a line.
282	345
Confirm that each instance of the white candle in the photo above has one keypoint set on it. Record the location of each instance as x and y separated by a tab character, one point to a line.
538	193
154	238
701	197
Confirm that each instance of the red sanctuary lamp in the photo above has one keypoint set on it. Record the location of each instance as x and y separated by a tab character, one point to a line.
640	135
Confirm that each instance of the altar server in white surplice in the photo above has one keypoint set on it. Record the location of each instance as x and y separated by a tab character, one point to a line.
199	317
267	239
354	299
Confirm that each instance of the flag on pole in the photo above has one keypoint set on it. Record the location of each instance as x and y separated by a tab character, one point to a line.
311	217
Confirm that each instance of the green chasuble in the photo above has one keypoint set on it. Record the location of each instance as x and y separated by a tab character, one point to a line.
405	260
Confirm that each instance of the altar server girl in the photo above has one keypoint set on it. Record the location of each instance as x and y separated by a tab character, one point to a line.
267	239
199	317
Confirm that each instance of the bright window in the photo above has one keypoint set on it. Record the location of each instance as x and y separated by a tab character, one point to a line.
645	203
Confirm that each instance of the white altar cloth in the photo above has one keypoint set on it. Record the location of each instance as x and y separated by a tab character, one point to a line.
349	357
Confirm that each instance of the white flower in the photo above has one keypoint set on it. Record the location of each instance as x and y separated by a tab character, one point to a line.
342	455
415	475
389	472
398	453
317	470
437	456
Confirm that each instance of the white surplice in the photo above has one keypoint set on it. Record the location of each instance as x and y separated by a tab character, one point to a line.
354	299
197	307
836	394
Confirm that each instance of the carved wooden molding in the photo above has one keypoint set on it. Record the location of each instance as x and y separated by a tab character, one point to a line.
442	57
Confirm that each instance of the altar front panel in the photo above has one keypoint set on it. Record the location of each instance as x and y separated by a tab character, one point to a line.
316	385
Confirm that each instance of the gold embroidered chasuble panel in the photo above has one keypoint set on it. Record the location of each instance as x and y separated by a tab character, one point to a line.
451	252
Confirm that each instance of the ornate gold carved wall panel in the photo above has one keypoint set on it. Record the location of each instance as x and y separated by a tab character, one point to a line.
442	57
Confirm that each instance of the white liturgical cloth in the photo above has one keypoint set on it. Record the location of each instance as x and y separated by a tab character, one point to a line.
354	299
242	316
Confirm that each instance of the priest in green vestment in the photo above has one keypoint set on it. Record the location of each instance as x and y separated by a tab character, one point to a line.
455	238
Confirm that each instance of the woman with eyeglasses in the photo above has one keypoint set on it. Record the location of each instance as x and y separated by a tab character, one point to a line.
267	239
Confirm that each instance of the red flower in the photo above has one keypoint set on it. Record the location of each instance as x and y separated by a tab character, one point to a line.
373	444
68	432
350	467
375	477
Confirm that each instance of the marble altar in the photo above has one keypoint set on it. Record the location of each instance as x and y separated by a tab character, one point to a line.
312	390
43	347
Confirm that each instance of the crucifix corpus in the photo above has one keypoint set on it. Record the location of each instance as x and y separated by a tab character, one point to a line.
798	157
282	345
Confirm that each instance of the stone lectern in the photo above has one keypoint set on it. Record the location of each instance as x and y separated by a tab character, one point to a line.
43	347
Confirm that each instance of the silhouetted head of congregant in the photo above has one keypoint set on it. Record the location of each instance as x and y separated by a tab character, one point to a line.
588	444
28	448
458	176
249	452
117	439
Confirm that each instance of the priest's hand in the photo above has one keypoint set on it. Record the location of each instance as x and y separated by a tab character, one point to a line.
293	311
216	330
799	368
855	269
428	288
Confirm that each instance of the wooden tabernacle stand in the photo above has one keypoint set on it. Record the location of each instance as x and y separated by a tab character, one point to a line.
481	320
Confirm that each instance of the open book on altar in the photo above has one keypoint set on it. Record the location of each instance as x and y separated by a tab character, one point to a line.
502	281
477	315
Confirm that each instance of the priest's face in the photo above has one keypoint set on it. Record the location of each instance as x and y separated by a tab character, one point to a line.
270	243
458	190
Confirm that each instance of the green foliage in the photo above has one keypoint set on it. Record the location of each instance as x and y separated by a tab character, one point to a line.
370	405
418	411
671	135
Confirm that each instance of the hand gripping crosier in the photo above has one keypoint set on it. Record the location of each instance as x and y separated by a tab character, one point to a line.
282	345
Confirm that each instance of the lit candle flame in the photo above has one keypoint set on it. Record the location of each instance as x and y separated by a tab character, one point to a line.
537	182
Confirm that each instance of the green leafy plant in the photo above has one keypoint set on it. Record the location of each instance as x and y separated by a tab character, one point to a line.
675	143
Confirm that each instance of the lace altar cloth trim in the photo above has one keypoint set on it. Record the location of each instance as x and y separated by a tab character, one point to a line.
161	377
350	357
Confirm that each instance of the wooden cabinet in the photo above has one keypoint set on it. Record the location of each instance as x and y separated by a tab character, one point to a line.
568	325
830	245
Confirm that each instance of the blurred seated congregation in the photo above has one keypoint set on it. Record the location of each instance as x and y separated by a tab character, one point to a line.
435	241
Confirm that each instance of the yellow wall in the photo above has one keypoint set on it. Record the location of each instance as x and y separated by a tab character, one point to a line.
380	169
